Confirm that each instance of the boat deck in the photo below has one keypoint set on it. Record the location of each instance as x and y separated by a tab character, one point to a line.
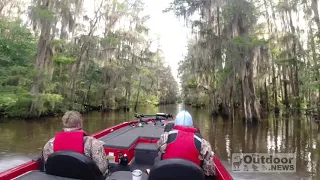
37	175
125	137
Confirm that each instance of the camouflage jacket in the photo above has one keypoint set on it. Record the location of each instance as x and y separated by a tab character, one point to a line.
206	153
93	148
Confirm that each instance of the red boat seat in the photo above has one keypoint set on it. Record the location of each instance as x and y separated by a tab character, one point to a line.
176	169
71	164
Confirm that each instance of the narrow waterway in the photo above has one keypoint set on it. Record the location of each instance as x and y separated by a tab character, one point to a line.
21	141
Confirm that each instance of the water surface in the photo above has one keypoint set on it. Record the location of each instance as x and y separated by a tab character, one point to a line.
23	140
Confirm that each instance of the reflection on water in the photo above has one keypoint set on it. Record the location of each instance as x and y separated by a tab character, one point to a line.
23	140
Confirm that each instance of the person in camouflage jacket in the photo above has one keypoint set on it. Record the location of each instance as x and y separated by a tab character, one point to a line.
206	153
93	148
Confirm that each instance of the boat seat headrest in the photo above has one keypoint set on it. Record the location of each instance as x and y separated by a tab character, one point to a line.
71	164
174	169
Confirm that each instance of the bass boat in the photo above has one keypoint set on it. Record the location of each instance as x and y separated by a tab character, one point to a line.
130	148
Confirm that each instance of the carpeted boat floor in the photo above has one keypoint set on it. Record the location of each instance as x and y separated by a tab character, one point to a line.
37	175
131	167
126	136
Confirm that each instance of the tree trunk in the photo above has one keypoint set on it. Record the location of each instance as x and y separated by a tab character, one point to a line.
314	57
267	96
43	58
255	107
295	65
231	97
314	6
137	99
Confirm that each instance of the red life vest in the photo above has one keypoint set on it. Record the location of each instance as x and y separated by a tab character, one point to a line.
186	129
69	141
184	145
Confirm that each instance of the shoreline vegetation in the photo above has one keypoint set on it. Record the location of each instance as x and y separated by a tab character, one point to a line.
85	110
243	56
55	57
251	57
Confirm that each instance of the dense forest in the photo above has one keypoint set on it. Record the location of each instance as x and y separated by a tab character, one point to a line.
253	56
55	56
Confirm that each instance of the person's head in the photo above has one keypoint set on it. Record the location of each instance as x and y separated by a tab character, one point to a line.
184	118
72	119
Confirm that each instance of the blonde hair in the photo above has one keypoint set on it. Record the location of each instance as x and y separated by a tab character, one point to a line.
72	119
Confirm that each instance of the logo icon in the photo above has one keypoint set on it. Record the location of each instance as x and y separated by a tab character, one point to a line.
264	162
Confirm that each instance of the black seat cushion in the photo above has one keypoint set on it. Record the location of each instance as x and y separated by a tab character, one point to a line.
72	165
176	169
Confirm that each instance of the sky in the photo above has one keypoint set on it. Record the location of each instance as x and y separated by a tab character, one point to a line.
171	31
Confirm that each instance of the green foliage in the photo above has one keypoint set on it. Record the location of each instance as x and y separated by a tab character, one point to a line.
15	105
110	40
192	83
43	14
63	60
92	71
196	99
304	105
147	100
17	45
47	102
248	41
17	50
